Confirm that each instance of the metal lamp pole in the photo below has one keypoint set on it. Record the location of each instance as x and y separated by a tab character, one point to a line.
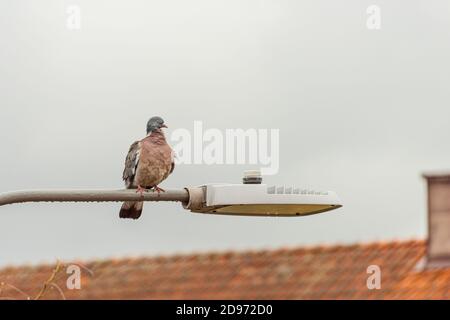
180	195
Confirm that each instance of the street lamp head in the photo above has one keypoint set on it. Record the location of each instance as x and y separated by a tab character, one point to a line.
259	200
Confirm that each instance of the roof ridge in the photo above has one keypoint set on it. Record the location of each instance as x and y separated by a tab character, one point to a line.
225	253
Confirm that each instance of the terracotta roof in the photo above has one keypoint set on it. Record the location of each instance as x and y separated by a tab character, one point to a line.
322	272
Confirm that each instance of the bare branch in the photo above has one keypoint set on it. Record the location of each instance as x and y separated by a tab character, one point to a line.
49	280
3	284
59	290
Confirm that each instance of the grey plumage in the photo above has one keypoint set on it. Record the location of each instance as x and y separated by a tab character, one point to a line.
131	163
154	123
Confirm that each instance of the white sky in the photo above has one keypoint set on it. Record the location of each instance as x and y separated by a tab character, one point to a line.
360	112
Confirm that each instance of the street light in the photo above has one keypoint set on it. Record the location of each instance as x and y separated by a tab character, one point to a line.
259	200
251	198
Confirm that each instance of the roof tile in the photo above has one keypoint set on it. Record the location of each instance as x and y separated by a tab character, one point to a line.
321	272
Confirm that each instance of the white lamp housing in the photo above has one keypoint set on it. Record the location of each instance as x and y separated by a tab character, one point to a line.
260	200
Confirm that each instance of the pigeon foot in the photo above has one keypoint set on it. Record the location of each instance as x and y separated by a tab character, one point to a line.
158	189
141	190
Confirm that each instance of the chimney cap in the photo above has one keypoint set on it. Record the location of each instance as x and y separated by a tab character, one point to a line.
439	175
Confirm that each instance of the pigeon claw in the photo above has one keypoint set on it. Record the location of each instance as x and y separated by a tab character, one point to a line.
158	189
141	190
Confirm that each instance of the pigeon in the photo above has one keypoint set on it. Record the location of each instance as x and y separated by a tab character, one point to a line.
149	162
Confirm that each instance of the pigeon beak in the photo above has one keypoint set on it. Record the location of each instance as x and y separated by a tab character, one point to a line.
163	126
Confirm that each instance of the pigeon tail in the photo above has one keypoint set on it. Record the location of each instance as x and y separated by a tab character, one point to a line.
131	209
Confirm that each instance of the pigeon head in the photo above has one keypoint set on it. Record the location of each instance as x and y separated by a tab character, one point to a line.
155	123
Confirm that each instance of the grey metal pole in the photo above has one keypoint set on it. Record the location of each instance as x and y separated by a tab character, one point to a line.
181	195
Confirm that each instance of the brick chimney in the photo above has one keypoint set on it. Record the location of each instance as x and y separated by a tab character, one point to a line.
438	248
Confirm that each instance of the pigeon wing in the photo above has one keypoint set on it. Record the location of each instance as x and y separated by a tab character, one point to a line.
131	163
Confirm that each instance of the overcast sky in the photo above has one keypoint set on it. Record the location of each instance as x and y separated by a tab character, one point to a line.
361	112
